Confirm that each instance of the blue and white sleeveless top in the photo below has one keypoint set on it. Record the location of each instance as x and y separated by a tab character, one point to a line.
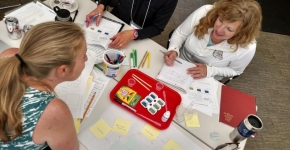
33	104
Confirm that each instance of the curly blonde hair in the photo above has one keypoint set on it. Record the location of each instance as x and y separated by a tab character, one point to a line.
247	11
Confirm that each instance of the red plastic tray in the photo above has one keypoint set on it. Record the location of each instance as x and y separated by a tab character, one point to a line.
173	99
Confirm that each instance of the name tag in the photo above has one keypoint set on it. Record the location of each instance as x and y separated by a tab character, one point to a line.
134	25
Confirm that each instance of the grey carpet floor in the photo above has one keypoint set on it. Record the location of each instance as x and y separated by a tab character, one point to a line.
267	78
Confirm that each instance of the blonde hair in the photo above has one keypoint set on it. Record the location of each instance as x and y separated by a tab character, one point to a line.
247	11
44	47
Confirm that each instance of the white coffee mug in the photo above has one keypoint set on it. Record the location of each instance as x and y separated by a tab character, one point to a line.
66	4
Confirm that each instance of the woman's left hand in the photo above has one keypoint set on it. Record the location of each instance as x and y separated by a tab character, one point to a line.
198	72
121	39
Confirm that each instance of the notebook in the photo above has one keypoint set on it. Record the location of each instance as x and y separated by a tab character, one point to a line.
100	35
235	106
176	76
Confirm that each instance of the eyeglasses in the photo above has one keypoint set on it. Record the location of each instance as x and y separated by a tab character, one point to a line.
226	144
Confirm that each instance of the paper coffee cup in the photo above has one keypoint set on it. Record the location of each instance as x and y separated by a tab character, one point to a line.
112	65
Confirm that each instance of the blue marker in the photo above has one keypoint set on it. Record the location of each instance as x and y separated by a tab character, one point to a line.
94	17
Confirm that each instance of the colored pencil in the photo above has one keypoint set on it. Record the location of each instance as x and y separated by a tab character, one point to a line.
90	103
143	59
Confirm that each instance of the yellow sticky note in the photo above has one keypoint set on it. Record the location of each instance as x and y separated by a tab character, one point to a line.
171	145
121	126
191	120
89	82
77	123
150	132
100	129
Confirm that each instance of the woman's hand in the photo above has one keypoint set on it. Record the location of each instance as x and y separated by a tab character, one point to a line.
121	39
99	10
198	72
169	57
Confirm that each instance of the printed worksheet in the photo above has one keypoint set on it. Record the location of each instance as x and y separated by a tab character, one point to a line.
33	14
201	95
74	92
100	35
100	82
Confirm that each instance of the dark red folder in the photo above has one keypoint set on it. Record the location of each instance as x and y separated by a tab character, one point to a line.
235	106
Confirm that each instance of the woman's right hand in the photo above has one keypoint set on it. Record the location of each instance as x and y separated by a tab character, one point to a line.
169	57
98	10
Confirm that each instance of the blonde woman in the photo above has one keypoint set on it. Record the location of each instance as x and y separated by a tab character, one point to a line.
31	115
219	38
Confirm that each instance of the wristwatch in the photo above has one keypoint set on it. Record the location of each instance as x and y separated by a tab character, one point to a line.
135	34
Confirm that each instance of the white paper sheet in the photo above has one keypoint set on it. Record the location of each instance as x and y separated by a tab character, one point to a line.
33	14
100	83
73	92
134	137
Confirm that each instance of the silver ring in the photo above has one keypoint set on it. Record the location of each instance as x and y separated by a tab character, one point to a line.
120	45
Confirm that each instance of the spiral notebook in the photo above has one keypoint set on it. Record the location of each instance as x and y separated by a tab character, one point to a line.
100	35
176	76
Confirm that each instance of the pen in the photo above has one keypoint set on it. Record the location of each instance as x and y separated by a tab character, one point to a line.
122	103
174	59
77	11
94	17
108	58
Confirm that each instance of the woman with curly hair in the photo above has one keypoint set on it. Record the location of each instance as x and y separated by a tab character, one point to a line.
219	38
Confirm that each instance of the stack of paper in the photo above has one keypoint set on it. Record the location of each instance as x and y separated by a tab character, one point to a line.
32	14
77	94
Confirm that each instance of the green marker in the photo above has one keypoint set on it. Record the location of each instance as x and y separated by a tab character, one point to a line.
100	68
135	58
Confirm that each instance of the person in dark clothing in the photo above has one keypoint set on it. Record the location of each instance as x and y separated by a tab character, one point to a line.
147	17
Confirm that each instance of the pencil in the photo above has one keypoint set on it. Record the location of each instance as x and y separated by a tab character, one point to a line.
89	106
174	59
141	83
143	59
142	80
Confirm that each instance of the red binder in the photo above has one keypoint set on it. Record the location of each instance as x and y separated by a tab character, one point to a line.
235	106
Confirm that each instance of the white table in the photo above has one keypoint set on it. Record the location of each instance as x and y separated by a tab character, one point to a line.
208	124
